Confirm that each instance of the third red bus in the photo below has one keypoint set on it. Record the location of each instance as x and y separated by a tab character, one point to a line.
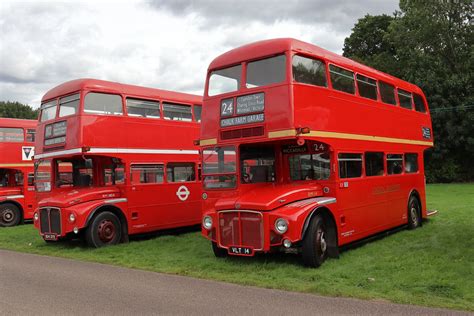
17	196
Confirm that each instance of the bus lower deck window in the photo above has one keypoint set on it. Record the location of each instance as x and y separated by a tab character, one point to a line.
350	165
411	163
394	164
373	164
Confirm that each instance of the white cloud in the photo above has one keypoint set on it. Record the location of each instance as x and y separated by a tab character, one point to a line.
155	44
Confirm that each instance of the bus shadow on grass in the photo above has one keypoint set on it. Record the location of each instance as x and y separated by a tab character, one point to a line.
78	241
296	259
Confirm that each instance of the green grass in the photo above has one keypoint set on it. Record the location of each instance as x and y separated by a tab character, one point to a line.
431	266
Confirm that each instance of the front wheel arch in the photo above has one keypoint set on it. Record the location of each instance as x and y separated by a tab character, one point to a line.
117	212
18	206
330	223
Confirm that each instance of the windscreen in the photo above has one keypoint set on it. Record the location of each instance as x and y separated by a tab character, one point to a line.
219	167
257	164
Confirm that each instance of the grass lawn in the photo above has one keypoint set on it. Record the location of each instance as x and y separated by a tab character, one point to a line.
431	266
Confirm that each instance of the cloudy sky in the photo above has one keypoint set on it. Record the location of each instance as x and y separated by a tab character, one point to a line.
164	44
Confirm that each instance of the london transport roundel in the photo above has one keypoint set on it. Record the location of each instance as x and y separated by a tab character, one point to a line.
183	193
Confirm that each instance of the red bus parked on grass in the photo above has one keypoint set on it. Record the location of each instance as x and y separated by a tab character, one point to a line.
304	150
114	160
17	193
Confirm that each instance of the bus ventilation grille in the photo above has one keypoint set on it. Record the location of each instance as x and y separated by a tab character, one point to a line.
242	133
50	220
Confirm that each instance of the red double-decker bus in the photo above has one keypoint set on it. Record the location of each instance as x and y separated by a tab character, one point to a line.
305	151
17	196
114	160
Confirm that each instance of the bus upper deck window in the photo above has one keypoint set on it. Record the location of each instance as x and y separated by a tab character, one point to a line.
419	103
103	103
367	87
225	80
342	79
309	70
387	93
266	71
405	99
144	108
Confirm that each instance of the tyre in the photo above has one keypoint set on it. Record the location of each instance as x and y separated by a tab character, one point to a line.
315	246
219	252
414	213
10	215
105	229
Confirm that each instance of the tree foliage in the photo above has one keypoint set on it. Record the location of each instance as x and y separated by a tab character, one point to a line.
429	43
17	110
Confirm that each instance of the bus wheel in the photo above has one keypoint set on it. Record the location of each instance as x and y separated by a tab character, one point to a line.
315	243
10	215
219	252
414	218
104	230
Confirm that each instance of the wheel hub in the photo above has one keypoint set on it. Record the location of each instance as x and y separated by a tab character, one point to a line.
323	243
8	215
106	231
414	215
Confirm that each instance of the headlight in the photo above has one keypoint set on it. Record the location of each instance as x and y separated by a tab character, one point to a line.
281	225
36	216
207	222
72	218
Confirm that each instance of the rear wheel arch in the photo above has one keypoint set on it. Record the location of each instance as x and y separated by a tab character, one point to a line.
117	212
330	223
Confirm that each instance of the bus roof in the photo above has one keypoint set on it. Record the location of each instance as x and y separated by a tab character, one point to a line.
21	123
270	47
115	87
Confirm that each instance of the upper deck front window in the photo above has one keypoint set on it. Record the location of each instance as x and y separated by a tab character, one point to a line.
48	111
266	71
69	105
225	80
102	103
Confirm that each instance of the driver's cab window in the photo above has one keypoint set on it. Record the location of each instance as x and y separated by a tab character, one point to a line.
74	173
257	164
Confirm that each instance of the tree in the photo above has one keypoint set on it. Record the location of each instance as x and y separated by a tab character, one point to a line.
369	43
431	45
17	110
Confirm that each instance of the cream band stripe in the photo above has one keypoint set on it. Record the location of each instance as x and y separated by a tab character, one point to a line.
289	133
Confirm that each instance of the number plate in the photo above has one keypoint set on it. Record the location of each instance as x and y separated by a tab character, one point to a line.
240	251
50	237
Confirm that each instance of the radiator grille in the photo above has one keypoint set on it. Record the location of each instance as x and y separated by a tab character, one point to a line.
50	220
242	133
241	228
